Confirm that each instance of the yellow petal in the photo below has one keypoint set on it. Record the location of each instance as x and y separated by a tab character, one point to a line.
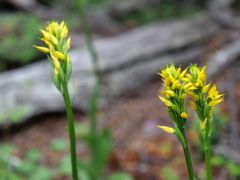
167	129
205	88
170	92
59	55
68	43
215	102
42	49
202	74
182	74
165	101
212	90
184	115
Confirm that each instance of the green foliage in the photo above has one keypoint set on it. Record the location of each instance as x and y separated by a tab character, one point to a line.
65	166
232	167
18	33
99	146
59	145
165	9
120	176
219	122
169	174
15	168
14	115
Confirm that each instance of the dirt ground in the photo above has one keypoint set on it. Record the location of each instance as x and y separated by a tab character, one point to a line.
139	147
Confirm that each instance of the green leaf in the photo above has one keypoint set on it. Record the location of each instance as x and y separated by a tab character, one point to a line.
65	166
59	145
120	176
33	155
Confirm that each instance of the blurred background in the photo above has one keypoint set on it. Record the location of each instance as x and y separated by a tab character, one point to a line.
133	40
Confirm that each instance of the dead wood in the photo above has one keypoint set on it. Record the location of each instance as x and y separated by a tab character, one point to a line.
222	12
223	58
127	61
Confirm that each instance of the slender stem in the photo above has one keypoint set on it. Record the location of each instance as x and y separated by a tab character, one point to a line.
207	153
71	131
188	160
81	4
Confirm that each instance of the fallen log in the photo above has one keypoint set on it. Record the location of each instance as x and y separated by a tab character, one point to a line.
127	61
223	58
222	12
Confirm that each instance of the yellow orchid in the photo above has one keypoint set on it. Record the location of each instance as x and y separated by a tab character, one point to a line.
54	35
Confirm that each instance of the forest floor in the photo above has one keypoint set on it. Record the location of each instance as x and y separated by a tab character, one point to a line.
139	147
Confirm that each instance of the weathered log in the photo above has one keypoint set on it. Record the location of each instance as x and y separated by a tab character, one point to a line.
126	61
223	58
222	12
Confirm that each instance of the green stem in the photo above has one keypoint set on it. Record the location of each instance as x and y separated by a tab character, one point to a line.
81	4
207	153
188	161
71	131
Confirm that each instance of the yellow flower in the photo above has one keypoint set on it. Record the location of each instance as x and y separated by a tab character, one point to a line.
205	88
167	129
215	102
42	49
54	35
59	55
184	115
165	101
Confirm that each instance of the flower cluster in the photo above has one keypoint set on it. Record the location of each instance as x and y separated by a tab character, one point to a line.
191	81
57	48
174	94
203	96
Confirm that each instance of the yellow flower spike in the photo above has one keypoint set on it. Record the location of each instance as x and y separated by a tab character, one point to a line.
167	129
184	115
165	101
42	49
59	55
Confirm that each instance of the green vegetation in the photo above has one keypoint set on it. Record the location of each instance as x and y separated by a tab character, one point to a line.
17	35
166	9
14	115
232	167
